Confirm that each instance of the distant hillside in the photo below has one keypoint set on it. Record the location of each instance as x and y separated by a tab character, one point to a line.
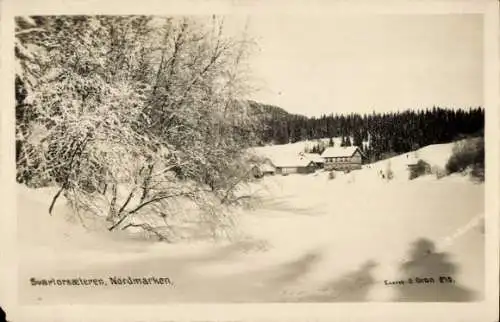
387	133
268	111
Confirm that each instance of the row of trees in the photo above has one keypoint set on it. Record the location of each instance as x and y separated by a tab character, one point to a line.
320	146
132	112
396	132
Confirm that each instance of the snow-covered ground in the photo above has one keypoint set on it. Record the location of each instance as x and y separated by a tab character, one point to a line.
292	149
309	239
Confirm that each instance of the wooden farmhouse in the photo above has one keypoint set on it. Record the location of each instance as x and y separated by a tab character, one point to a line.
343	158
285	166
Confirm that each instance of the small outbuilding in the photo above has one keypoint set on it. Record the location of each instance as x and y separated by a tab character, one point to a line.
300	165
265	168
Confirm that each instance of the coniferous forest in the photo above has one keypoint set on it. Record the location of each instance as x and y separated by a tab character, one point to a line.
388	133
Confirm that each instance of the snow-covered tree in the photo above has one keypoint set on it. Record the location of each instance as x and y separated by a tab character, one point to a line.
132	112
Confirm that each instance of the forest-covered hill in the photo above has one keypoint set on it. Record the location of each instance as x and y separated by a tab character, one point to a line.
387	133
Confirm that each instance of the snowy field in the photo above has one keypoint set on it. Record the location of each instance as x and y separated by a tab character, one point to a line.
309	239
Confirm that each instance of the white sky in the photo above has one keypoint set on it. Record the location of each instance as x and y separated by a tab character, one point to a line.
314	64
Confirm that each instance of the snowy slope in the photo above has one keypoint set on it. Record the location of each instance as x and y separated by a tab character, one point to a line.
309	239
436	155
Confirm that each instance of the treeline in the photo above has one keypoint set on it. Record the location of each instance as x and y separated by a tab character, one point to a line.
387	133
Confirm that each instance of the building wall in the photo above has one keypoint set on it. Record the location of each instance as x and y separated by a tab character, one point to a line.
356	158
343	166
289	170
309	169
344	163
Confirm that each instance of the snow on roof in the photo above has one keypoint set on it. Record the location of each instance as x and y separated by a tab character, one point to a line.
290	161
266	167
338	151
315	157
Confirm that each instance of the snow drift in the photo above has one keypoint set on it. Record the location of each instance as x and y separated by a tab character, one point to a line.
309	239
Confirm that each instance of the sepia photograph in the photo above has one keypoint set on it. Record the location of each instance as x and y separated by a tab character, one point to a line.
250	158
